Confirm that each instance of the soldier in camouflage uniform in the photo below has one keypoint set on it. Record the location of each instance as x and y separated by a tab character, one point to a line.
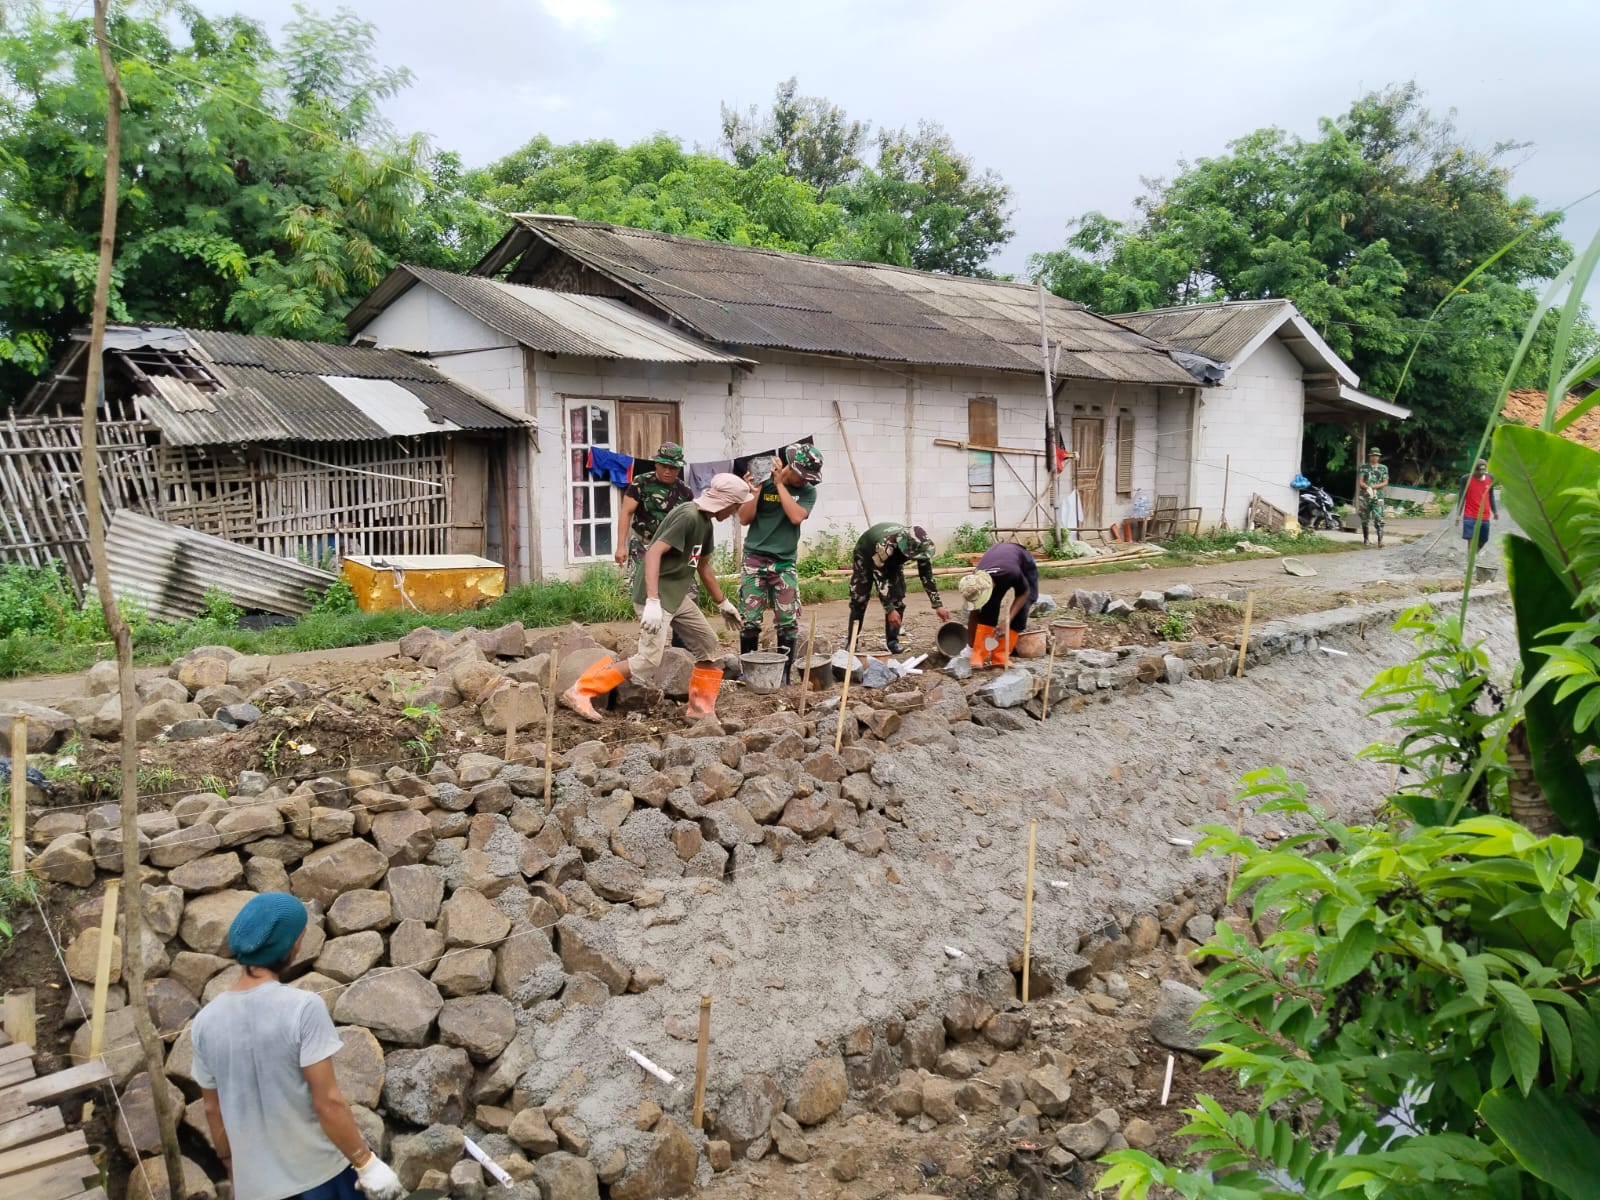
645	502
773	516
879	565
1373	481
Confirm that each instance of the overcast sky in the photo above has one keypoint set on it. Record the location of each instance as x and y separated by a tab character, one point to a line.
1070	102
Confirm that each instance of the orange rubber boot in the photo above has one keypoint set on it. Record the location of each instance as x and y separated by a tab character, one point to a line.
704	684
980	646
596	681
1002	652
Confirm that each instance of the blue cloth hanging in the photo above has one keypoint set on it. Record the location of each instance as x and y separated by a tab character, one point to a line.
610	466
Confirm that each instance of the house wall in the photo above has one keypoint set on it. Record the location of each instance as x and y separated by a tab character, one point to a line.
1156	465
1250	435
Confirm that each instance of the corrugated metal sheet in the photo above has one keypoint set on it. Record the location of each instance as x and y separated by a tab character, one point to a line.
740	295
1218	331
274	389
565	323
166	569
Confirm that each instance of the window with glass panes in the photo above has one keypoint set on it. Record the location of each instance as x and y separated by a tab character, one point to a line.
590	519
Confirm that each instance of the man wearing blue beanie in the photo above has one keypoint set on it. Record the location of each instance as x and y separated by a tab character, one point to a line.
263	1057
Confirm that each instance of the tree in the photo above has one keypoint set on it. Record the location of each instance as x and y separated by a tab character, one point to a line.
925	206
1367	228
657	184
260	191
813	138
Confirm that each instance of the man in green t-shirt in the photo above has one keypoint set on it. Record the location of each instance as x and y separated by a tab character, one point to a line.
1373	481
773	516
664	599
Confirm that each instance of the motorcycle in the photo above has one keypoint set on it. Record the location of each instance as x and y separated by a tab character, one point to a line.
1317	507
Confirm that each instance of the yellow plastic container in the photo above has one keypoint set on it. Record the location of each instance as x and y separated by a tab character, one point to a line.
435	583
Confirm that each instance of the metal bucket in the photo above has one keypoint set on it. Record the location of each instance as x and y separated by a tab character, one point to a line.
1030	644
1069	634
952	638
844	665
763	670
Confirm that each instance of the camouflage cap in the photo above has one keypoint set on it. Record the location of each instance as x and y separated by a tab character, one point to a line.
806	459
670	455
1374	452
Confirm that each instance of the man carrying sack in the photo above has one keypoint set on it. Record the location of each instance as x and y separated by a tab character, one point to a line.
773	516
1004	567
263	1057
663	598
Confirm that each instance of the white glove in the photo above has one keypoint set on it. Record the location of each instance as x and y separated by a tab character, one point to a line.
652	620
730	613
378	1181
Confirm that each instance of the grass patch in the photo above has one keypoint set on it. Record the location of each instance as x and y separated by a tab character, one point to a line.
14	891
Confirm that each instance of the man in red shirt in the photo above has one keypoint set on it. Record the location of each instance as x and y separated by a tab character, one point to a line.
1476	503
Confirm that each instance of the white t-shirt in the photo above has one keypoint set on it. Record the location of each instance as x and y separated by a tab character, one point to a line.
250	1046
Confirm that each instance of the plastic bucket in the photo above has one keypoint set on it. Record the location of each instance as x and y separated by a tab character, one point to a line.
1030	644
1069	634
763	670
951	638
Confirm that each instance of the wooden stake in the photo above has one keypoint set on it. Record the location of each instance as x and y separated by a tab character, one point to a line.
116	623
1049	681
511	731
1027	911
1244	637
861	495
549	727
805	676
102	978
20	1025
700	1062
844	696
19	797
1233	859
1227	474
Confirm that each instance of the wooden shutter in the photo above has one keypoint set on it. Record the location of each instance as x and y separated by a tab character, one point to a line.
983	427
1124	455
642	425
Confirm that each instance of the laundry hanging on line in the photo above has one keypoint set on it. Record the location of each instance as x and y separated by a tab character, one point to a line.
616	469
621	469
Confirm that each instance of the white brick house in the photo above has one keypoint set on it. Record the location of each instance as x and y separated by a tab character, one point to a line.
1274	375
620	338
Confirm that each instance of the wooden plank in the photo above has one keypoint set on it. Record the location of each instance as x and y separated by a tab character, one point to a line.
48	1088
16	1072
40	1123
26	1158
11	1051
58	1181
94	1193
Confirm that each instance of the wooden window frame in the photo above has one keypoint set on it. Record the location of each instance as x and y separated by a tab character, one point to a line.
1126	424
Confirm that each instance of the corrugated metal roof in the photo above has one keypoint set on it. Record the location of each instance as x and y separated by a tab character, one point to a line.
274	389
1219	331
166	569
743	295
555	322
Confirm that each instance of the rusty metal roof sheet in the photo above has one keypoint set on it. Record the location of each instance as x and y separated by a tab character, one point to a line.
555	322
275	389
747	296
166	569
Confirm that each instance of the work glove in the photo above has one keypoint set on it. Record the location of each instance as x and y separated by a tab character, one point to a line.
730	614
652	620
378	1181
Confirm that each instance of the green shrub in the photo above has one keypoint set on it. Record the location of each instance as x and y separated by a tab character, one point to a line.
34	599
339	598
218	607
827	550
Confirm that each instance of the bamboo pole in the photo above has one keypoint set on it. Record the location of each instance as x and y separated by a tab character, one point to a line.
102	978
805	676
844	696
20	1023
700	1062
1244	637
510	754
1049	419
861	495
1027	910
132	892
549	726
19	797
1049	681
1227	475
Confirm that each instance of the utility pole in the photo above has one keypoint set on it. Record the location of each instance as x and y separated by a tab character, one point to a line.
132	875
1049	422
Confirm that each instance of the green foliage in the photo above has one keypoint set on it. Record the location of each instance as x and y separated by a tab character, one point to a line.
1395	982
1175	628
971	539
1368	228
33	599
339	598
1226	541
217	606
260	191
827	550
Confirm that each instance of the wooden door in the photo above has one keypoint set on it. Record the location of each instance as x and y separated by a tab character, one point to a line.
642	425
468	496
1089	450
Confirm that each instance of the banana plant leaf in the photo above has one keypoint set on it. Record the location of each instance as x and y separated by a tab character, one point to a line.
1536	472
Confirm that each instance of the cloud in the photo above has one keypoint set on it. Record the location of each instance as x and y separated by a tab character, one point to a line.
593	17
